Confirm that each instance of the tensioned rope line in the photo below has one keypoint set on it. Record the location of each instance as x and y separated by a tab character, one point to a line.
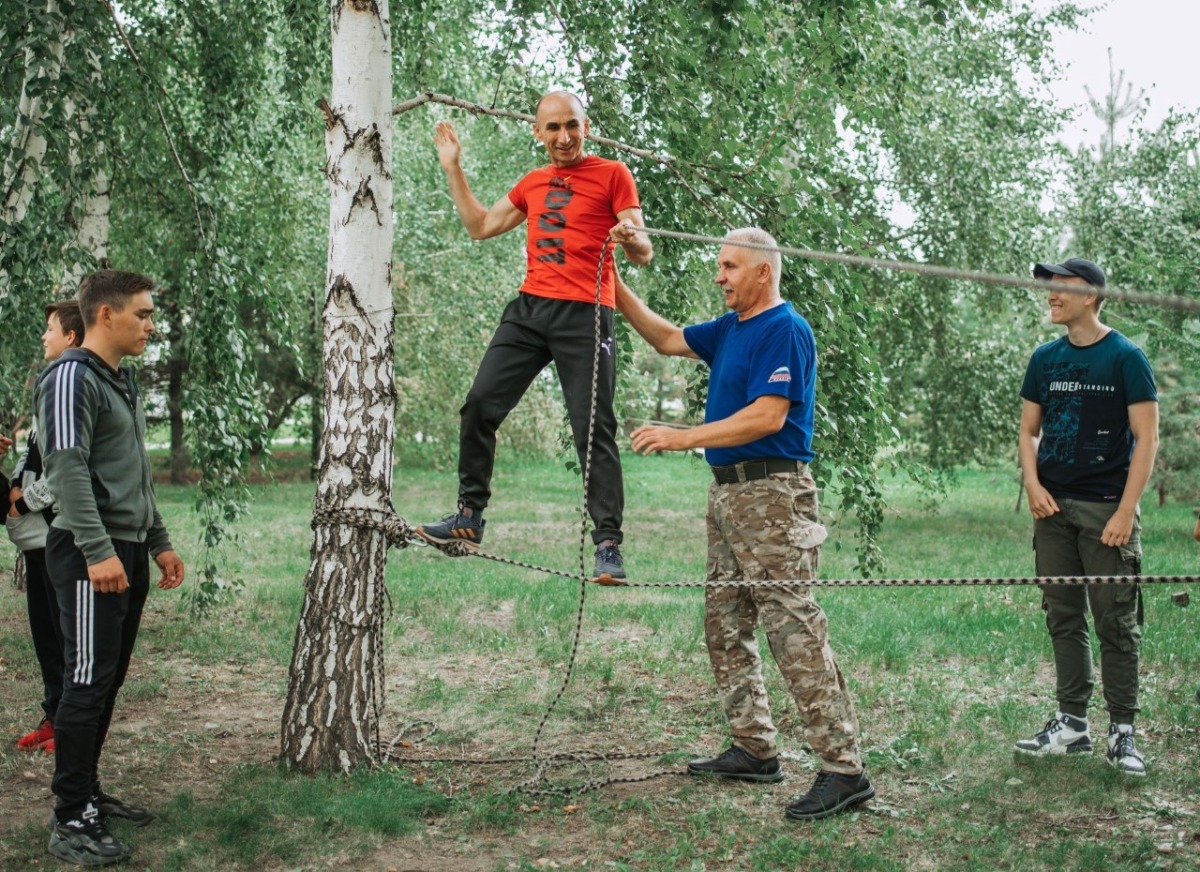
1170	301
459	549
400	534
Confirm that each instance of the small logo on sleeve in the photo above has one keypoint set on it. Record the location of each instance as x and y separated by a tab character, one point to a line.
783	374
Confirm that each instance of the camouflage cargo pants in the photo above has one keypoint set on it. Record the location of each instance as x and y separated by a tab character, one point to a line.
760	530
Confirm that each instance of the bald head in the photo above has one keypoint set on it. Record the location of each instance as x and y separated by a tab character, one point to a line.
561	95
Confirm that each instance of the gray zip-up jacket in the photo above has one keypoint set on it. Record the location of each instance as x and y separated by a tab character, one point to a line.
91	431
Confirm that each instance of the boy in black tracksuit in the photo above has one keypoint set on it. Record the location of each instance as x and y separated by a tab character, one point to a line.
27	523
91	429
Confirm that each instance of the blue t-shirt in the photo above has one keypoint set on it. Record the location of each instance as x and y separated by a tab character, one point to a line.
1084	394
773	353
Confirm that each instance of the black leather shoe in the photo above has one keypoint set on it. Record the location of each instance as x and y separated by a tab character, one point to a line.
736	763
831	792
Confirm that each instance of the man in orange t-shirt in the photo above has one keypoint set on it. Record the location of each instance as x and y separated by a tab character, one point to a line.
568	208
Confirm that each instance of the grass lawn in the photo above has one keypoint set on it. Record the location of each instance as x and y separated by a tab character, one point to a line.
945	679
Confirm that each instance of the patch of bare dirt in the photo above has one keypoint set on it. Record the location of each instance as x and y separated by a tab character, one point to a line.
178	726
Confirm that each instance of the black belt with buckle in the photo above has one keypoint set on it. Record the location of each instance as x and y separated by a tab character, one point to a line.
753	470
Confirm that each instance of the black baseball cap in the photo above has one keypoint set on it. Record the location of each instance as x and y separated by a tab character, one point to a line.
1076	266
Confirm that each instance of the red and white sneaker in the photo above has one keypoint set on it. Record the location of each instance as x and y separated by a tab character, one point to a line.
41	739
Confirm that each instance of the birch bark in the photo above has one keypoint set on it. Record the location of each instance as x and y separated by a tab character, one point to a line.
330	720
23	162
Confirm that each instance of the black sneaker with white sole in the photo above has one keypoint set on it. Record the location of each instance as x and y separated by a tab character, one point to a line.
831	793
83	839
1063	734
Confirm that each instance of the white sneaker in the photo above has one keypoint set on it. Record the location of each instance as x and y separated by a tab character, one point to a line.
1121	751
1063	734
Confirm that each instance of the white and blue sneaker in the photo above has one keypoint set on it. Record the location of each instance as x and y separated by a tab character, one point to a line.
1121	751
1063	734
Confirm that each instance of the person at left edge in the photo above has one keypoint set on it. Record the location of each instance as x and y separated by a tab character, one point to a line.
5	444
567	207
91	432
27	523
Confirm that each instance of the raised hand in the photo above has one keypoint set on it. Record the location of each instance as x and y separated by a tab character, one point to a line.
449	149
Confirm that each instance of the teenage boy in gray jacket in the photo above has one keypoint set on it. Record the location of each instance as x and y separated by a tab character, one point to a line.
91	429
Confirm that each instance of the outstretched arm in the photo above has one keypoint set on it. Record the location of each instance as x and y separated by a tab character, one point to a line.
654	328
481	223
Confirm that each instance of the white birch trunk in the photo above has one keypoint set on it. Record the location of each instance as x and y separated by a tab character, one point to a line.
89	213
329	720
22	164
91	232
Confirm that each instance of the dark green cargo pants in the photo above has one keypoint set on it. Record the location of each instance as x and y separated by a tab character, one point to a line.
1067	544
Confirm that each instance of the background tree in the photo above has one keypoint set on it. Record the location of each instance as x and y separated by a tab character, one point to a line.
50	60
972	152
217	203
1135	208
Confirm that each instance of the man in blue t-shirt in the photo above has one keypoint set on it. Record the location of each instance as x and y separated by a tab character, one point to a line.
762	522
1089	433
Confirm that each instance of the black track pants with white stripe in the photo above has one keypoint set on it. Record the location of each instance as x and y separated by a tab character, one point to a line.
99	631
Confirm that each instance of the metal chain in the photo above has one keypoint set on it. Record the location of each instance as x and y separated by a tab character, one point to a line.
1169	301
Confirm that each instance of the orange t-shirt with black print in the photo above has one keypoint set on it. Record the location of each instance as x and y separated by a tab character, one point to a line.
568	213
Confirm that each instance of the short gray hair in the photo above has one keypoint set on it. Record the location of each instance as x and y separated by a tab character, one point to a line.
758	236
